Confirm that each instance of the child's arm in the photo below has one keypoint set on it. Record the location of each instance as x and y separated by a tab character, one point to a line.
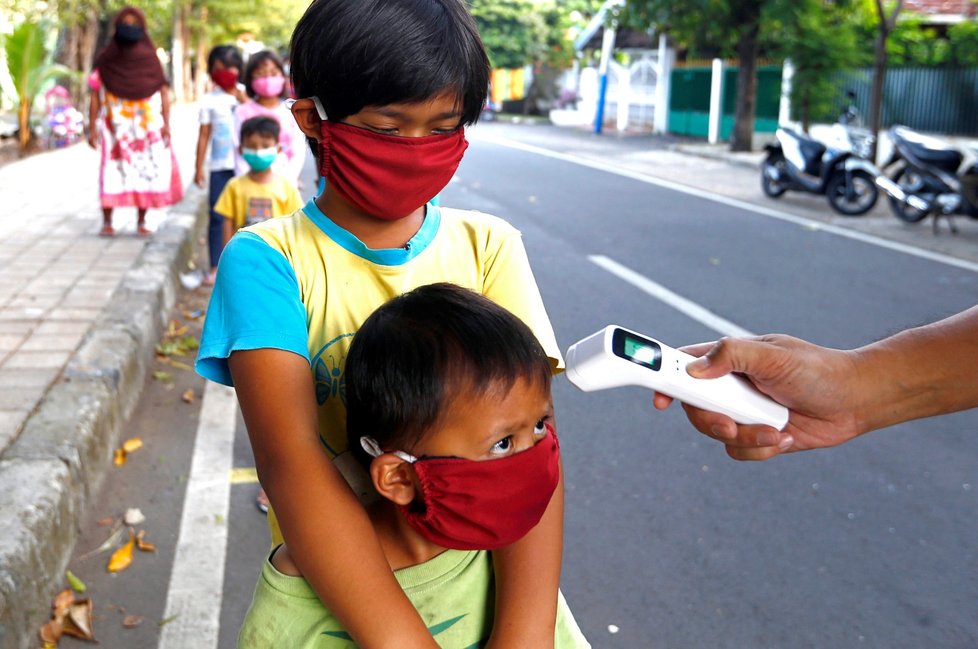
527	579
203	137
328	532
229	229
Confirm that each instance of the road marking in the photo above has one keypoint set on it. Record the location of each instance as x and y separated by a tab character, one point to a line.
809	224
244	475
193	601
678	302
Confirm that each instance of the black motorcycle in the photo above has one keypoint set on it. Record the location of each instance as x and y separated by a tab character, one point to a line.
798	162
926	177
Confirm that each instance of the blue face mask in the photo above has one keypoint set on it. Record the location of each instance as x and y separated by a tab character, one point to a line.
260	159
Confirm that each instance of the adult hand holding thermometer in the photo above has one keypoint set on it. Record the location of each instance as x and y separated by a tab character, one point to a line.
616	357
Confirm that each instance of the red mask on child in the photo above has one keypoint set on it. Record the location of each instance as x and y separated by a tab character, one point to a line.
225	78
386	176
472	505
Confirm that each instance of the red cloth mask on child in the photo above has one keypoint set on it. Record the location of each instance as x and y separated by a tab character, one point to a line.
472	505
225	78
386	176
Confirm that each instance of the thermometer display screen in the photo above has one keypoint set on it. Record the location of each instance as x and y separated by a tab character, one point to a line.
639	350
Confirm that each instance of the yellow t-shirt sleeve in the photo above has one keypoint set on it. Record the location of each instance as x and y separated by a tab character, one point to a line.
293	201
509	282
226	202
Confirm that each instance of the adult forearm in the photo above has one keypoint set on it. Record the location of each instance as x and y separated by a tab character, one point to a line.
527	579
919	372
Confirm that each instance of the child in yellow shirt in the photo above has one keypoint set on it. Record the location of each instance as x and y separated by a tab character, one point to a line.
260	194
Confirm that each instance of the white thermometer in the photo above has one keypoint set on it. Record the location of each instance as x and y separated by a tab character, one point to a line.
615	357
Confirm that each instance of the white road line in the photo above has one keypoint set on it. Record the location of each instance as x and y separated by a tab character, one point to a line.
678	302
193	603
809	224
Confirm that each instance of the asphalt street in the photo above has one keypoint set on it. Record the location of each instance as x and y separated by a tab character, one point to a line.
668	543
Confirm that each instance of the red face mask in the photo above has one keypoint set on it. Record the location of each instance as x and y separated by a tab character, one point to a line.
471	505
386	176
225	78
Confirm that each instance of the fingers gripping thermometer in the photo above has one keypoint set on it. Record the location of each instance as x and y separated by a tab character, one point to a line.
615	357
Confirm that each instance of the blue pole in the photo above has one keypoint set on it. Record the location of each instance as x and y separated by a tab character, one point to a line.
599	113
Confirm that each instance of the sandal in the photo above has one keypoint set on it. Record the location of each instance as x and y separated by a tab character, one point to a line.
106	231
261	501
143	231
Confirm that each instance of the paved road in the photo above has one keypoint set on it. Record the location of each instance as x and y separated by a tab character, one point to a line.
668	543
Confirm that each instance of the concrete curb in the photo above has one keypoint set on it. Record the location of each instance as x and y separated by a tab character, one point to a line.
50	474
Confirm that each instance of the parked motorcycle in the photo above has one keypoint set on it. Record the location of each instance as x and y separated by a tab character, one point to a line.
926	176
798	162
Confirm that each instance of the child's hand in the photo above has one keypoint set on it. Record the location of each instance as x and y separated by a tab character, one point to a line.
93	138
199	178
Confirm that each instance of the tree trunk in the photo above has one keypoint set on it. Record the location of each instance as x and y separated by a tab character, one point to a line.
176	54
876	92
188	88
24	124
743	132
200	74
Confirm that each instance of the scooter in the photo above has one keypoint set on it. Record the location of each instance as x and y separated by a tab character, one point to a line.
926	176
798	162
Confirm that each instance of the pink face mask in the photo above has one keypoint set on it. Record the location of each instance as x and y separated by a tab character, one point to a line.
268	86
472	505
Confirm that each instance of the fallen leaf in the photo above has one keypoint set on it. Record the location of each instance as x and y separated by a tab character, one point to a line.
76	584
188	396
120	457
132	621
51	632
132	444
180	366
160	375
133	517
107	545
143	544
167	620
105	522
79	620
122	558
62	602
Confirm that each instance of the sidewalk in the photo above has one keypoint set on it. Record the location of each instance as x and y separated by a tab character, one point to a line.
79	318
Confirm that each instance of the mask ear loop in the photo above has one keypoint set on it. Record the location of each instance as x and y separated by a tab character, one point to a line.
319	108
372	448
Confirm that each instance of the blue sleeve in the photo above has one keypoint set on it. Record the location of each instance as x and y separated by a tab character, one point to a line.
255	305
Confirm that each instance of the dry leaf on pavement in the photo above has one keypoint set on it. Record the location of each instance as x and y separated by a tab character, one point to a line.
188	396
122	558
132	621
143	544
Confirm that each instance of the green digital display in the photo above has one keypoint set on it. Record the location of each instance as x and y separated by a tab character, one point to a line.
636	349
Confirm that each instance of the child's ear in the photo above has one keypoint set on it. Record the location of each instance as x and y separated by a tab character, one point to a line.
307	117
393	478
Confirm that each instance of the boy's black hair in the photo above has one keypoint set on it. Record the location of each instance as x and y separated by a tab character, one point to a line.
419	351
262	125
229	55
253	62
357	53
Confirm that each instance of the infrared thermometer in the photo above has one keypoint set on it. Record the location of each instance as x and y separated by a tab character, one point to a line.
615	357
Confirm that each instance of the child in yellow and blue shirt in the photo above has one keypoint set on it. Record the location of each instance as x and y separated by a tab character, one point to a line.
385	88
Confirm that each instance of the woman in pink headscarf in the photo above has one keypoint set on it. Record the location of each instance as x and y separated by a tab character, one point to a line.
129	114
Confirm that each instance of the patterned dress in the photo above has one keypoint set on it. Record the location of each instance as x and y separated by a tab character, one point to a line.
138	167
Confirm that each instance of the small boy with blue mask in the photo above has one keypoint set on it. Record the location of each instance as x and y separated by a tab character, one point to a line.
260	194
449	412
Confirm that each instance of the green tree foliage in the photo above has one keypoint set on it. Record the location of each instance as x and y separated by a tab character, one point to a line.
30	60
821	38
513	31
